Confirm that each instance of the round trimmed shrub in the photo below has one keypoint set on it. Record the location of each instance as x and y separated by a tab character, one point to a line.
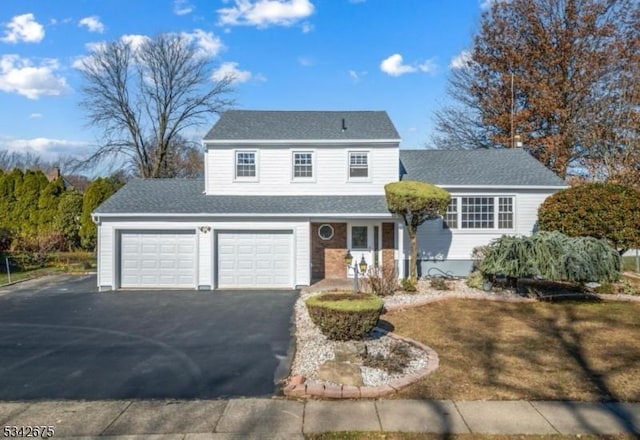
345	316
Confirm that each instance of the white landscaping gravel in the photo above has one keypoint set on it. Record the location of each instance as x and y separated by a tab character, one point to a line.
313	348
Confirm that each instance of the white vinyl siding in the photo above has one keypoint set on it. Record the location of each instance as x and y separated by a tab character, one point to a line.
438	243
255	259
330	166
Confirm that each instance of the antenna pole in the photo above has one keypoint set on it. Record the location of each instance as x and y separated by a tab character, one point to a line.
512	111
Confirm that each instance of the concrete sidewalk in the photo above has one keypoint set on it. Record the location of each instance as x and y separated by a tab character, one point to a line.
288	419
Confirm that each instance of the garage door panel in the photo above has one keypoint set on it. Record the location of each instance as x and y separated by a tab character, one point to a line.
154	259
255	259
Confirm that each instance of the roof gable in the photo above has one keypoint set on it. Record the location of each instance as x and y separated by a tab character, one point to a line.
482	168
261	125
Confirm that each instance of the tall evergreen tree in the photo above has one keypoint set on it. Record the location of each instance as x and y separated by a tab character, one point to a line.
99	191
68	218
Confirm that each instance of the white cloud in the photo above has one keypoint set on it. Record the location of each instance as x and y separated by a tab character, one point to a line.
356	76
133	40
208	45
428	66
230	69
23	28
306	27
35	115
20	75
182	7
44	146
460	61
395	66
93	24
263	13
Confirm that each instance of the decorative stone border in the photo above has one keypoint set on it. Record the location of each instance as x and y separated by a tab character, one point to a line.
298	387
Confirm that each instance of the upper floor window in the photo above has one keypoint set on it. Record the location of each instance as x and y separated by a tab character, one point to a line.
302	165
358	164
480	212
245	164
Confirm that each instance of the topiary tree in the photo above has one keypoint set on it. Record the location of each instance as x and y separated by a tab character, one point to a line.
599	210
416	202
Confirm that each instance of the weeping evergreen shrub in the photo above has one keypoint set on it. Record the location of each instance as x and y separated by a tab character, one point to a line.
553	256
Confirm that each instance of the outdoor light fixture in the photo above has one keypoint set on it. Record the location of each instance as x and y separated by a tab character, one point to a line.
348	259
359	268
363	265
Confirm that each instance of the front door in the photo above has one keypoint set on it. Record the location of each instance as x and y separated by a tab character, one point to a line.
363	240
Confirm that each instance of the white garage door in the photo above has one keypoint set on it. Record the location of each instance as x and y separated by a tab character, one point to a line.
255	259
158	259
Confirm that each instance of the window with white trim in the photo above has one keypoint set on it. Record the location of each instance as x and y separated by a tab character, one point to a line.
302	165
451	217
245	164
480	212
505	213
477	212
358	164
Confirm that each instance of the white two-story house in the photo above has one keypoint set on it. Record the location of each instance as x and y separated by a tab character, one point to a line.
286	194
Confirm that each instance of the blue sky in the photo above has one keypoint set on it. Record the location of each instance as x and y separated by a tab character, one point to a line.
392	55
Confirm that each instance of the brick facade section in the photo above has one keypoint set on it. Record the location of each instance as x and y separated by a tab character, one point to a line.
388	244
327	256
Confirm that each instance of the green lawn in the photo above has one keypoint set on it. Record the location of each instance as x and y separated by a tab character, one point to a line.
27	274
57	263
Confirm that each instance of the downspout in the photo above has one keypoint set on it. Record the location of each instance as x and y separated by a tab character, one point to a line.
96	220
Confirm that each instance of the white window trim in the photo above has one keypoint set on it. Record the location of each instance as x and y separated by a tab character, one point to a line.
369	167
496	207
237	178
314	168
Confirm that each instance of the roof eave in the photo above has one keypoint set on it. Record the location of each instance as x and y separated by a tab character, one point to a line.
520	187
97	215
297	141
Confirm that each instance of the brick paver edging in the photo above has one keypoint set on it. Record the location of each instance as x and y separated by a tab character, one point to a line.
298	387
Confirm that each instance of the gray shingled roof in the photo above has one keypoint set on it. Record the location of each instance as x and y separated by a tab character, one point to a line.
302	125
476	168
185	196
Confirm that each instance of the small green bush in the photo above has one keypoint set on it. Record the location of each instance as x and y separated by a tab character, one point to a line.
475	280
408	285
345	316
439	283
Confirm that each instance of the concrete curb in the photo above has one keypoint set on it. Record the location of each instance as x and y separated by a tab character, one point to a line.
301	388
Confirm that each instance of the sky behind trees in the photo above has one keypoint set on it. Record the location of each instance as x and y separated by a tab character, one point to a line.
285	54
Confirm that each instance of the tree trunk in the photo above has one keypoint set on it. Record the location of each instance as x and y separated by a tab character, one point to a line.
413	259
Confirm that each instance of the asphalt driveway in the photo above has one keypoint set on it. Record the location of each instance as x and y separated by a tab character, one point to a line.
61	339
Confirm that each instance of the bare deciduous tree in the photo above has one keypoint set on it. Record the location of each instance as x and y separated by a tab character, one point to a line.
541	69
143	98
